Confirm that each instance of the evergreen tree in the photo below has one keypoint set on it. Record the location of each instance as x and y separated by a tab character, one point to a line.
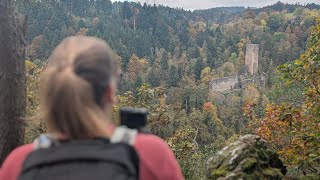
173	76
164	61
138	82
153	78
218	35
211	54
126	10
198	68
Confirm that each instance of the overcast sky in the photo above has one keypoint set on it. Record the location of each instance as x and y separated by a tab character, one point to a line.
205	4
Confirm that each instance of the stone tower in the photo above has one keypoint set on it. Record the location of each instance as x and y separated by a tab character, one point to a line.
252	57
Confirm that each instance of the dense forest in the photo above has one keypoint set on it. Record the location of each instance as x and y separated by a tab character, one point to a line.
168	58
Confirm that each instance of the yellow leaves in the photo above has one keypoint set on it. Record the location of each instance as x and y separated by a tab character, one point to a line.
251	93
196	28
136	66
206	75
30	66
182	142
33	77
306	66
297	62
263	23
34	126
126	100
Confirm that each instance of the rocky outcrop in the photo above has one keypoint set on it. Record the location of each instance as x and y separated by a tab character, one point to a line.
247	158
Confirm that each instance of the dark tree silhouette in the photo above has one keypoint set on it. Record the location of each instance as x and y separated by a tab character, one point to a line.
12	78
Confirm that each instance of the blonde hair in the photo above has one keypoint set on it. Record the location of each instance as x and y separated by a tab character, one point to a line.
79	73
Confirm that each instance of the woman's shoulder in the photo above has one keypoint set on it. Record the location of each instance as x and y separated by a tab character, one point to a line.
150	139
21	151
18	153
156	158
12	165
151	143
153	149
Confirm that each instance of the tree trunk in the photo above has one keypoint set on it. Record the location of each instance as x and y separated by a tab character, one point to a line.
12	78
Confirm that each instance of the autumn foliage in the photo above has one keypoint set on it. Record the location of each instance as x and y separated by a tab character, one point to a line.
294	128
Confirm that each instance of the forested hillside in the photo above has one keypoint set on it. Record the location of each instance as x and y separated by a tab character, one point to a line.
168	58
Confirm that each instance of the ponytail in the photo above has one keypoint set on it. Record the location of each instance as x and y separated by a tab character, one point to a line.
69	101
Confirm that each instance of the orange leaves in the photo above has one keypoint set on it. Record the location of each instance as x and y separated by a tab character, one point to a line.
95	21
207	107
34	48
135	11
295	131
247	109
287	128
274	127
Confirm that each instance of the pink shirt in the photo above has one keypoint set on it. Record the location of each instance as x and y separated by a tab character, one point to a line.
157	162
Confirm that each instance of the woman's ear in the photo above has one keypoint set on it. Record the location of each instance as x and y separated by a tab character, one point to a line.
110	93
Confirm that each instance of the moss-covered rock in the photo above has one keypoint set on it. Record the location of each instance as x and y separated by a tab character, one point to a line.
247	158
309	177
219	173
249	164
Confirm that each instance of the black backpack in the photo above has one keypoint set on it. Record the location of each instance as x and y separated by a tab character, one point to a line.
95	159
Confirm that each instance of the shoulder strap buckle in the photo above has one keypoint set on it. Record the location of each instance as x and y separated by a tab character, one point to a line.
123	134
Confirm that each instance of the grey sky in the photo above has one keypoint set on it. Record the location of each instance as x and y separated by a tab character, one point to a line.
205	4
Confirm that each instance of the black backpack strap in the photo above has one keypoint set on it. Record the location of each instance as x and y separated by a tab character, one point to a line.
128	136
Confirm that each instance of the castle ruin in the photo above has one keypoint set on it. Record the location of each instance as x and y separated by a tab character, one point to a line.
250	77
252	57
224	84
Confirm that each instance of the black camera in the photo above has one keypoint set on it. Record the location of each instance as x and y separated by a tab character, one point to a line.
134	118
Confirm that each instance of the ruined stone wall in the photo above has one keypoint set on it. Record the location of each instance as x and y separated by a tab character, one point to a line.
252	57
260	81
224	84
